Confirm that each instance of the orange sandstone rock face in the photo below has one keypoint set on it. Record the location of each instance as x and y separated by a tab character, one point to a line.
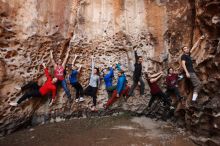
107	29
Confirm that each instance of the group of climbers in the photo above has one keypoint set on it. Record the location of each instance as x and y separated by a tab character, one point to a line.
113	91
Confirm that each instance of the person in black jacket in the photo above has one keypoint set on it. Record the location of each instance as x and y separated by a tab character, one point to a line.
137	76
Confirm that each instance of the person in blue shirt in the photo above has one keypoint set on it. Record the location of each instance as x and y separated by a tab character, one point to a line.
121	90
108	79
74	81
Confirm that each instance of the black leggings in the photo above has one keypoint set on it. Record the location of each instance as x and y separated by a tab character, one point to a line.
175	91
30	85
79	89
91	91
161	95
29	94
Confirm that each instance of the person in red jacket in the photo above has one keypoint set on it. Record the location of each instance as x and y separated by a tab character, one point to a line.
171	82
49	86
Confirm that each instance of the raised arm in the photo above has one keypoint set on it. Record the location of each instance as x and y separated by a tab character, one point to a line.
136	56
51	57
110	73
74	60
197	43
46	72
66	58
93	65
79	69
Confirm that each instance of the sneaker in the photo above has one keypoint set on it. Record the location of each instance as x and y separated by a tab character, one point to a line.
171	107
77	100
81	99
105	106
13	103
94	109
51	102
18	88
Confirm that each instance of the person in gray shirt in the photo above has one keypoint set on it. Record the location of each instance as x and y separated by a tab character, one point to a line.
94	82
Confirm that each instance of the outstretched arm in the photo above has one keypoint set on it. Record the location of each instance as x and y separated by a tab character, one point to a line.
80	67
46	71
51	57
93	65
74	60
66	58
197	43
136	56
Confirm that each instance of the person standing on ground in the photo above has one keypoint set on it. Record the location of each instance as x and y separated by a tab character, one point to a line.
155	90
59	68
74	81
171	82
187	65
94	82
35	91
137	76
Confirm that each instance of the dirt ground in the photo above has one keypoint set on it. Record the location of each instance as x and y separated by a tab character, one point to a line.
105	131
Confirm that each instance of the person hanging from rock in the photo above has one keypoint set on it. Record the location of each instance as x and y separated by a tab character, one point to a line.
171	82
155	90
59	69
108	79
36	91
137	75
187	65
74	81
121	90
94	82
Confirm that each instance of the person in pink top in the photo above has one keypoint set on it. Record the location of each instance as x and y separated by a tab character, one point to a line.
59	68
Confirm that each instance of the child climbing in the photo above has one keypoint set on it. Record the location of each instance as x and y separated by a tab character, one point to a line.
74	81
187	65
94	82
35	91
59	68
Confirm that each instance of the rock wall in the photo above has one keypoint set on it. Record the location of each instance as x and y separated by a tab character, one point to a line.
109	30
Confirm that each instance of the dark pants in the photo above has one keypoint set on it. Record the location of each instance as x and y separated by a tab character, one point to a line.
134	85
30	86
196	82
91	91
110	90
79	89
29	94
161	95
64	86
114	96
175	91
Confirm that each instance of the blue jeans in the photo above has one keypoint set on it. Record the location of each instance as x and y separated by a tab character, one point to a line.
64	86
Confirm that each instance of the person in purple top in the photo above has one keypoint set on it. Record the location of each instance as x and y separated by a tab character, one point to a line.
74	81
